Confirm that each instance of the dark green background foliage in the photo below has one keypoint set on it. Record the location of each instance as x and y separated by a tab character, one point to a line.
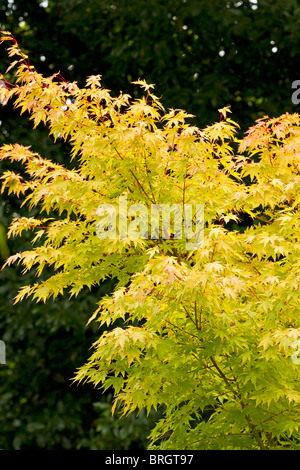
202	55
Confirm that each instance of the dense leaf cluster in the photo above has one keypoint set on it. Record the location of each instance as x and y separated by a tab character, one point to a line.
189	331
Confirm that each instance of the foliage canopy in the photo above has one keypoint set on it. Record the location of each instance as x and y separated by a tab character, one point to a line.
212	328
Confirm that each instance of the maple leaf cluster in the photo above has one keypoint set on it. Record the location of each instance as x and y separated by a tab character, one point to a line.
207	329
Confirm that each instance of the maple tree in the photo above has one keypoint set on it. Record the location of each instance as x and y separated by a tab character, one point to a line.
211	329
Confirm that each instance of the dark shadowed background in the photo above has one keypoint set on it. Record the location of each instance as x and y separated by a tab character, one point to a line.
201	55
